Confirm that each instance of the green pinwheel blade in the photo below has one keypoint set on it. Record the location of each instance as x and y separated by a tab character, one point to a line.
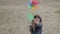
30	16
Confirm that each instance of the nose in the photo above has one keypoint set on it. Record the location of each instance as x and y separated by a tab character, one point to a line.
36	19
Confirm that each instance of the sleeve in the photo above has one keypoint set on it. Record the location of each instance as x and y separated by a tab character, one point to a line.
39	25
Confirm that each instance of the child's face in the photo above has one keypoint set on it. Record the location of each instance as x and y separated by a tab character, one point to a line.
36	19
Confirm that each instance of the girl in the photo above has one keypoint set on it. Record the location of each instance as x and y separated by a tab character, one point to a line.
36	27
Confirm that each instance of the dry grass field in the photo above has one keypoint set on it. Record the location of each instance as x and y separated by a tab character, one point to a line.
13	16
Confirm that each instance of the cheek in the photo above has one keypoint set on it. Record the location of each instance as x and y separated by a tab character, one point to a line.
34	20
38	20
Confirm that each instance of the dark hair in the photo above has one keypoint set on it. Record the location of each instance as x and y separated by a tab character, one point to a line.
38	17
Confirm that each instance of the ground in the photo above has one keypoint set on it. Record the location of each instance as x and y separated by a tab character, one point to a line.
13	16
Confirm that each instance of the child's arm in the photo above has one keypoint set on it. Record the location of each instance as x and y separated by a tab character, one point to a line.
33	25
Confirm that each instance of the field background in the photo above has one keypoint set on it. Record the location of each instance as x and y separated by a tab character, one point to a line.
13	16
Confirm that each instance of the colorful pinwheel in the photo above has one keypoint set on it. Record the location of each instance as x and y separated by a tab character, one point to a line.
33	4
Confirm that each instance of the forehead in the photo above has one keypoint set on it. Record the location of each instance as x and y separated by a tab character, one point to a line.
36	16
37	19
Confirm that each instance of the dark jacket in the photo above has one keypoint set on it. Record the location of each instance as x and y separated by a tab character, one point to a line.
37	29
